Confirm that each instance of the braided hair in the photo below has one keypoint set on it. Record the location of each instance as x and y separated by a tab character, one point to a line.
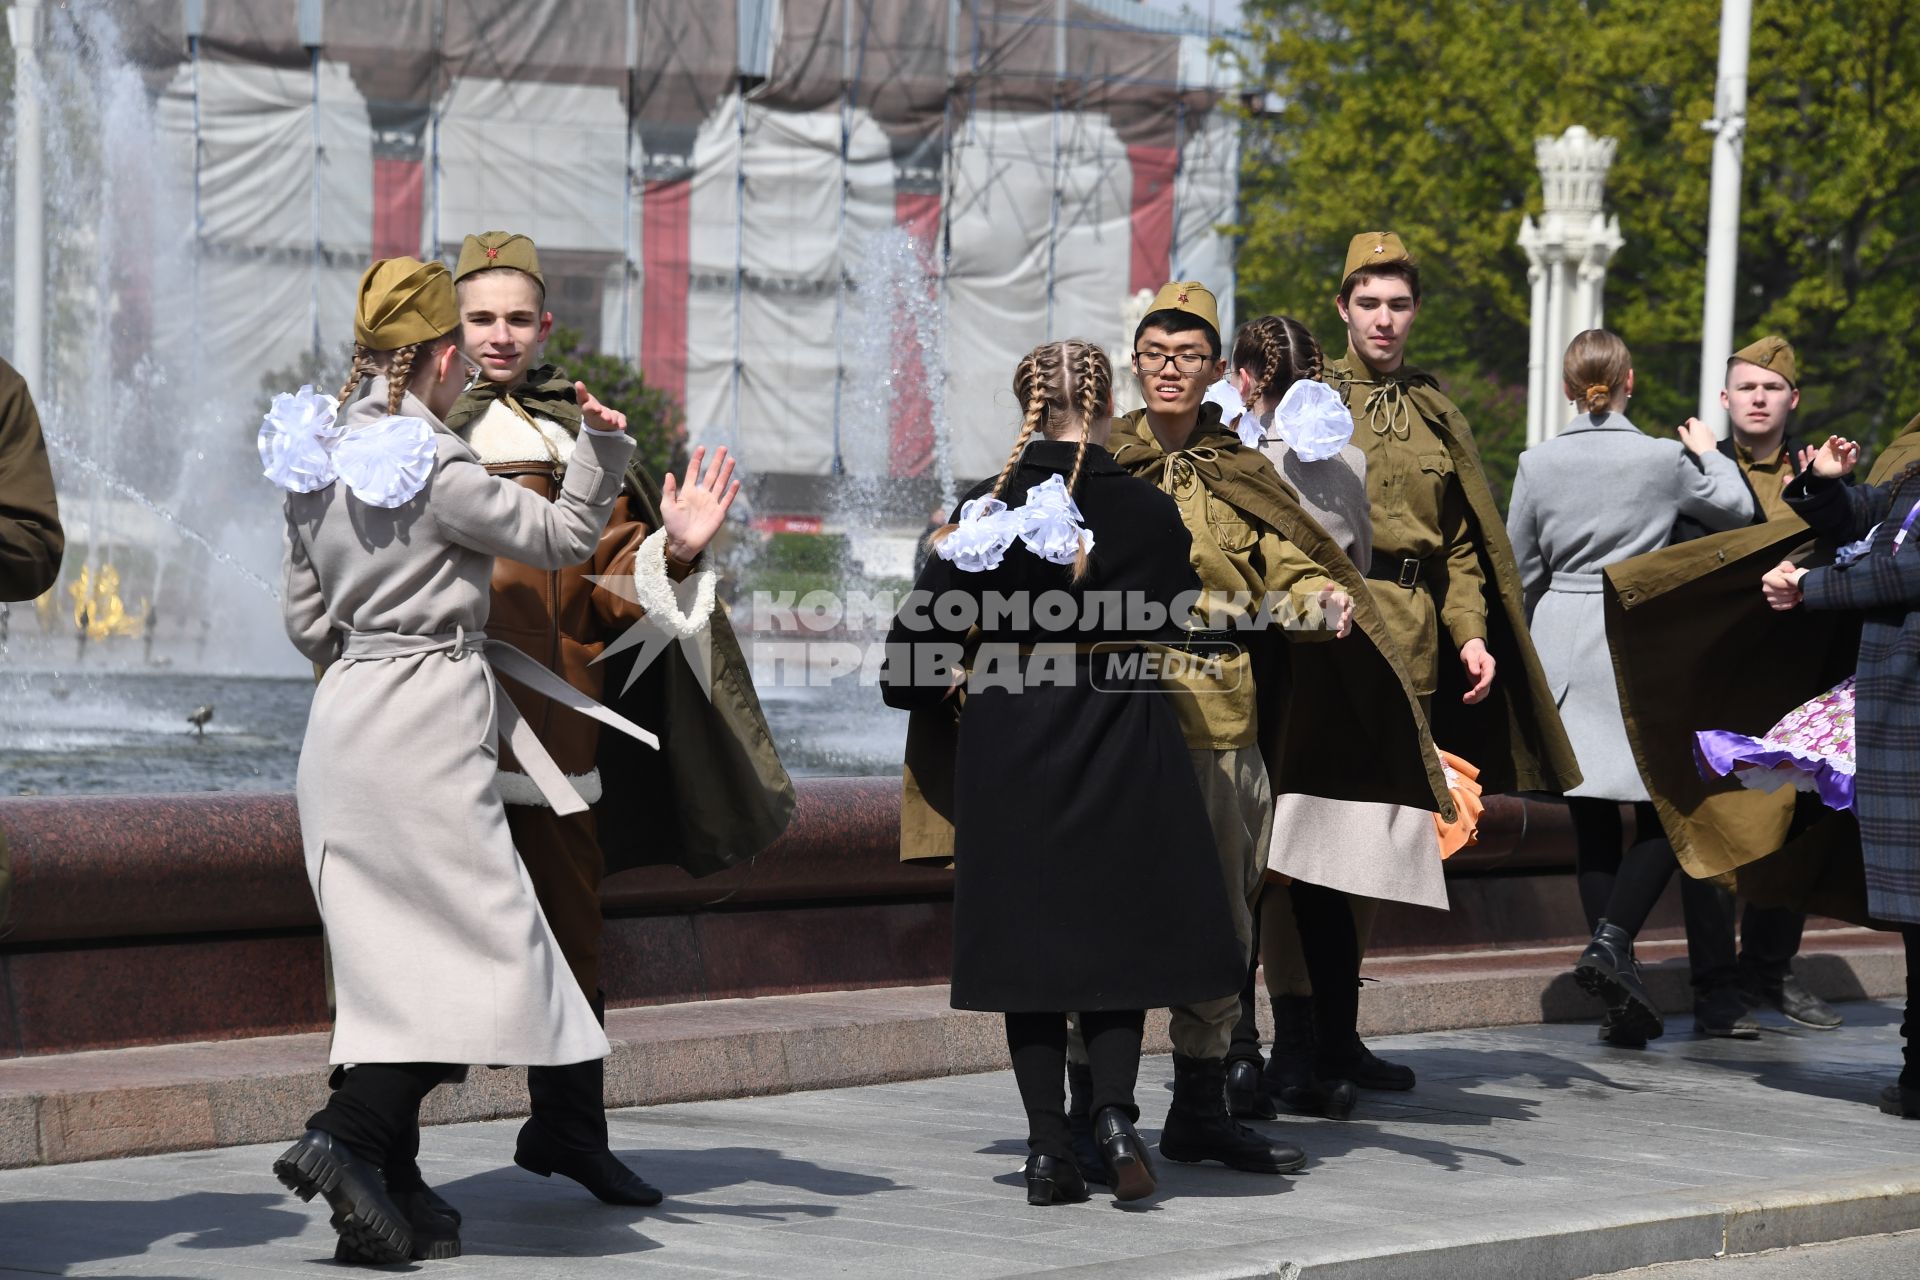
1060	385
397	365
1277	351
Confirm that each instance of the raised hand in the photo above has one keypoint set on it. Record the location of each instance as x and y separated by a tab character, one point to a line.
597	415
694	509
1698	437
1836	458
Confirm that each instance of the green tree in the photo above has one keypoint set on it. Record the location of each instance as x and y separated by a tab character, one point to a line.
1420	115
653	419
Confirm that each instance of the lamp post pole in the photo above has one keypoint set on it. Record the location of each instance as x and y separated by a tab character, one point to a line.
29	205
1729	126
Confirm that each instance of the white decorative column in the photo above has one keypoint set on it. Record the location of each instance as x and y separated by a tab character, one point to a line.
29	200
1729	127
1567	255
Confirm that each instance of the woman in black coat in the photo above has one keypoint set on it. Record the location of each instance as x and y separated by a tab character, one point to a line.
1879	577
1085	878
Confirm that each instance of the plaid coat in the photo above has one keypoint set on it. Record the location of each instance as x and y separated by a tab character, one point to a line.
1884	588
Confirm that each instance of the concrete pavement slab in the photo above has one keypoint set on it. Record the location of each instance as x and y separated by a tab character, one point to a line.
1530	1152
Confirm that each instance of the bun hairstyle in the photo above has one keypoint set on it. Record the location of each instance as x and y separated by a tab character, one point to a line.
1278	351
1061	385
1596	370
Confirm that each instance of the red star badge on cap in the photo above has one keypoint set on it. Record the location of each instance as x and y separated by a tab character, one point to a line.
1183	295
493	253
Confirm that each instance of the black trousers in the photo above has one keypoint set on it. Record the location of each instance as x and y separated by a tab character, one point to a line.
376	1109
1620	888
1769	936
1037	1043
1910	1026
1330	944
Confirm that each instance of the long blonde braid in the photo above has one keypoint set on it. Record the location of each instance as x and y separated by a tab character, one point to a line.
399	373
1093	376
363	367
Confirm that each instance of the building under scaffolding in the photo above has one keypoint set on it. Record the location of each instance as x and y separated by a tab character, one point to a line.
707	180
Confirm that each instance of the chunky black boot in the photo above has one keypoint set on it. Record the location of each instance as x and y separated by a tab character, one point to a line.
1289	1074
1198	1126
1086	1152
1369	1072
436	1235
1247	1092
1608	970
363	1213
567	1135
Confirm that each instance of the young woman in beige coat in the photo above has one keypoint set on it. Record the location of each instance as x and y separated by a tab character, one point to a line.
441	956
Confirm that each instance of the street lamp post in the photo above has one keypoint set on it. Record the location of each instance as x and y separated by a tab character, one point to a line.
1729	126
29	204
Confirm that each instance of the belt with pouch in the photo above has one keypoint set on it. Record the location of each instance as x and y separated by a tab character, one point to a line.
1401	572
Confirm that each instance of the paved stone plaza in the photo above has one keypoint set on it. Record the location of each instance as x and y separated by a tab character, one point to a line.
1527	1152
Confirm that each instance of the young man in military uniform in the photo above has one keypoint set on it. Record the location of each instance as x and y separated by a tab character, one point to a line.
1443	574
1761	393
520	419
1249	724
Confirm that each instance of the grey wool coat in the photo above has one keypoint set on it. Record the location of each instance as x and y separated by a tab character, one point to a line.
1884	588
1600	492
1384	851
440	951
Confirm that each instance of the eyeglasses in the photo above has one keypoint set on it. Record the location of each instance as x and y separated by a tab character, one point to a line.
1184	361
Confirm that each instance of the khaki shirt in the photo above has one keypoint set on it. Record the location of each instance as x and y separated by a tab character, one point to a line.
1419	513
1239	560
1767	478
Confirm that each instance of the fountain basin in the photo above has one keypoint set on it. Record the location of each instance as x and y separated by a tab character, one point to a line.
147	919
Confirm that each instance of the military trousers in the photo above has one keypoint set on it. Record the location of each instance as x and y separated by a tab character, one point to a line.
1239	804
563	859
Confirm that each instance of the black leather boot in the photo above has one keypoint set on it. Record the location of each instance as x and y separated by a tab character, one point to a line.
1129	1170
363	1213
567	1134
1086	1152
1247	1092
1051	1181
1198	1126
1370	1072
1898	1100
1608	970
436	1234
1289	1074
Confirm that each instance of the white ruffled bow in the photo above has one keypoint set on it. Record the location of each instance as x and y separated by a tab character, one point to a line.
1049	524
1313	420
385	463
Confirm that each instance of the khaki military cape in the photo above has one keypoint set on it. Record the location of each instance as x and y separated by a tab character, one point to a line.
1695	646
715	794
1338	717
1514	736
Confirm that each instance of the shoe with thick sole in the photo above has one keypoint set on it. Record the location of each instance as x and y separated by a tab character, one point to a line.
1722	1014
436	1234
1129	1168
363	1212
1198	1127
1368	1071
1607	969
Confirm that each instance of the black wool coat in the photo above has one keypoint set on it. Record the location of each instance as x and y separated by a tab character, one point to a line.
1085	876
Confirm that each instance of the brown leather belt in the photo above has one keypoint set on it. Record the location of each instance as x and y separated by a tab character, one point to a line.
1400	572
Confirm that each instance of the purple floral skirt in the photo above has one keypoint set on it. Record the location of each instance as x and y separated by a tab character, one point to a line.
1811	749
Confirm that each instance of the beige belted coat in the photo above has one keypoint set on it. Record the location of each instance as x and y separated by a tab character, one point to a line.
440	951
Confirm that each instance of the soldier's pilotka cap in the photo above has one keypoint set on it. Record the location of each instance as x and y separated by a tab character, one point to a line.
492	249
404	301
1772	353
1191	297
1374	249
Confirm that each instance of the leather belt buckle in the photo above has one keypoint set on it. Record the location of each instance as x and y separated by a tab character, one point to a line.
1409	575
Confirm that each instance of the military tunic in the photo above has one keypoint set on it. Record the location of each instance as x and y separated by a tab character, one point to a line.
1768	478
1420	513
